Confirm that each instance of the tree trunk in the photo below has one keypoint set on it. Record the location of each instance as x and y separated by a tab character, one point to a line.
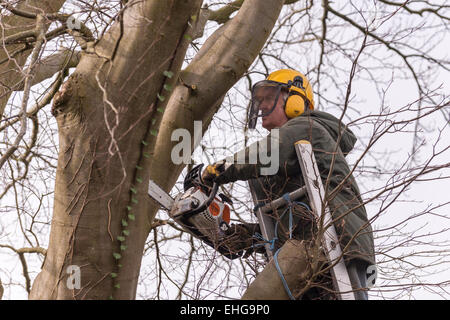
104	113
115	130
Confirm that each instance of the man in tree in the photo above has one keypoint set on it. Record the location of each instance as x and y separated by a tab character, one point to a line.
285	101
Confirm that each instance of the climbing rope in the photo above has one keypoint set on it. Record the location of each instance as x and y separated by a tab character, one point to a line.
263	241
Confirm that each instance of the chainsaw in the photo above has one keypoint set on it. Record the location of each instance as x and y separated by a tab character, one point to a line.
199	210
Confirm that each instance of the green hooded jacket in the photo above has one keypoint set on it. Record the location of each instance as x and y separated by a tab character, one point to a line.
322	131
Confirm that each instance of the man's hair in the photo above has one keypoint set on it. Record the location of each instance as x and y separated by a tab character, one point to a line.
284	95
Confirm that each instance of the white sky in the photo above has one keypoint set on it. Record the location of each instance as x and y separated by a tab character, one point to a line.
395	146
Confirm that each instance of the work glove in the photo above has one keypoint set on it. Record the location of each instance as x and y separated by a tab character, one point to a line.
212	171
239	237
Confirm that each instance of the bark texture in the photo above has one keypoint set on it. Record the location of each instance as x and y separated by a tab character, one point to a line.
104	113
115	122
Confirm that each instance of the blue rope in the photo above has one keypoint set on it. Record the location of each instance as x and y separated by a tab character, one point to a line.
303	204
272	242
259	237
286	287
275	256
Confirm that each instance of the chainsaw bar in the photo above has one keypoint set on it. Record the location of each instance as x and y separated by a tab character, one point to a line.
159	195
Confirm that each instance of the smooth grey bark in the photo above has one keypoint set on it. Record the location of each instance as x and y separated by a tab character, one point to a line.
115	120
104	111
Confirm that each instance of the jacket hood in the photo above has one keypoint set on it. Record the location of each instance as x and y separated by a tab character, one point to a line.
331	123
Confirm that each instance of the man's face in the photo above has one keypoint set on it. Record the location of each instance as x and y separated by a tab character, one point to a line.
267	97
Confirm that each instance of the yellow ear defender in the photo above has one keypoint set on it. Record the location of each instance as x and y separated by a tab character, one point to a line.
295	105
300	94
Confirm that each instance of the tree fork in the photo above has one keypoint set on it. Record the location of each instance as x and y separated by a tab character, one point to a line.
91	194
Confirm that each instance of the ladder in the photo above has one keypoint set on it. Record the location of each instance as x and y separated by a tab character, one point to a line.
315	191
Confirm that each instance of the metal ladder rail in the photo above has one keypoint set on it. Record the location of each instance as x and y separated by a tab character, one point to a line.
330	241
266	223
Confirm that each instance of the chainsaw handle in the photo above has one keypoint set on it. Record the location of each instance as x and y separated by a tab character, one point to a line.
208	201
212	194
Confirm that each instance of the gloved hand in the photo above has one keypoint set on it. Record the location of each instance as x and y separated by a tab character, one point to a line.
212	171
239	237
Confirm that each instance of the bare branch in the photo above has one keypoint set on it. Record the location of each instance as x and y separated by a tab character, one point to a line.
40	36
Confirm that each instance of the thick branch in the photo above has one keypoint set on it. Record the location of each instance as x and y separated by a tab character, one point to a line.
39	33
39	105
220	63
11	71
223	14
48	67
105	115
